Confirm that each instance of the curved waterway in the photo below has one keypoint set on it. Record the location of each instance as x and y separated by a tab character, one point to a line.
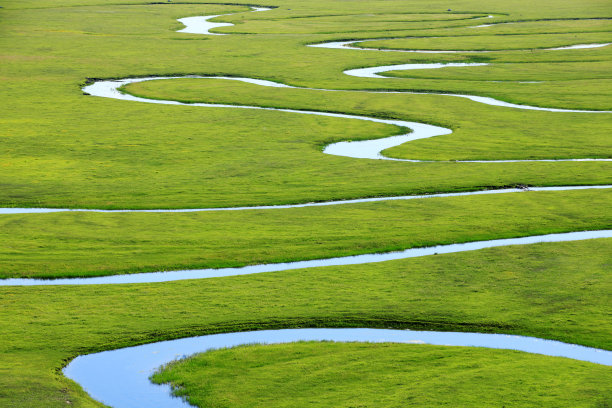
351	45
119	378
201	25
317	204
535	21
373	72
366	149
154	277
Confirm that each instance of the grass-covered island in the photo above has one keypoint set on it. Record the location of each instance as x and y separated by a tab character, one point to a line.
320	374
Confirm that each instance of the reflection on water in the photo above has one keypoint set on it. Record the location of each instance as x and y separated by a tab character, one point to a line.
347	260
319	204
201	25
373	72
351	46
119	378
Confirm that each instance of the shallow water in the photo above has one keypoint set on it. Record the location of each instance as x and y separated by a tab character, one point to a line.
366	149
372	72
318	204
201	25
350	45
339	45
496	102
580	46
153	277
369	149
119	378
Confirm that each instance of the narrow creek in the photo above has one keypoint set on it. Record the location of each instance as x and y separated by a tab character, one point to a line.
170	276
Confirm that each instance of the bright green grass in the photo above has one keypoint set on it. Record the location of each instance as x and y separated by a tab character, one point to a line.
324	374
576	94
79	151
492	42
538	290
89	244
560	85
507	72
62	148
511	133
347	25
197	164
522	27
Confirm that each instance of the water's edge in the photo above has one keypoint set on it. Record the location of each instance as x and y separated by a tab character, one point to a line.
366	149
351	45
120	378
169	276
42	210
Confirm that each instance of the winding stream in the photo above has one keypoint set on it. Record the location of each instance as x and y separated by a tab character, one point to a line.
350	45
201	25
373	72
154	277
8	210
120	377
367	149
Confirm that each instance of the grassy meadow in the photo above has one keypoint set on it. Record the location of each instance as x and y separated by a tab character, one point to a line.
62	148
89	244
542	290
397	376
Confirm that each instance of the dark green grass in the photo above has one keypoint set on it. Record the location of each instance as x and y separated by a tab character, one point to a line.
323	374
538	290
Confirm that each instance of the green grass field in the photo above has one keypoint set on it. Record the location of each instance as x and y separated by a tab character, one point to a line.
397	376
62	148
77	244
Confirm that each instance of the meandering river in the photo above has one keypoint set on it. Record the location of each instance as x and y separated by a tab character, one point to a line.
119	378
